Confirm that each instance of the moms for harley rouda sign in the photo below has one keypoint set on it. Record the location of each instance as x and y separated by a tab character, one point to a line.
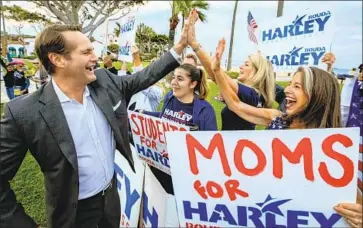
290	178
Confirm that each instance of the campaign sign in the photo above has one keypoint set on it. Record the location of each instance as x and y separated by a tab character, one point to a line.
285	178
297	39
130	188
149	138
154	202
127	37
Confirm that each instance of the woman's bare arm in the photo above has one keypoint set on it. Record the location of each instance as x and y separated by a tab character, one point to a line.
203	56
260	116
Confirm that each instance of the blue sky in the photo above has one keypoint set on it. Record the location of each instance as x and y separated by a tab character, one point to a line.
347	41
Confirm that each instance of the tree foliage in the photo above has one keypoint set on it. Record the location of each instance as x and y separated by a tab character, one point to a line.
20	14
90	14
147	39
183	7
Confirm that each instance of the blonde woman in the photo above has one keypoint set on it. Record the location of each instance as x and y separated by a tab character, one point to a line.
257	87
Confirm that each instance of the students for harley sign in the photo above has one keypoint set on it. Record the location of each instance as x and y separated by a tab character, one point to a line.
149	139
297	39
290	178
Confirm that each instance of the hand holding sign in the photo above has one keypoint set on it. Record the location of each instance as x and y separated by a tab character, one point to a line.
352	212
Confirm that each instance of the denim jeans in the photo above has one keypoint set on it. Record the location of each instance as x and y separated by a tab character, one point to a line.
10	92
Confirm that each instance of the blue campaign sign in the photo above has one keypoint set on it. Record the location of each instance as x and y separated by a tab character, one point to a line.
130	188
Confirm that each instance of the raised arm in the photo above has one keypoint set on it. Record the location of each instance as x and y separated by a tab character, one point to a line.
329	59
203	56
260	116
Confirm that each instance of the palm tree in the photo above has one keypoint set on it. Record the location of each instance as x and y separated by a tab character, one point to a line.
232	34
280	8
4	42
184	7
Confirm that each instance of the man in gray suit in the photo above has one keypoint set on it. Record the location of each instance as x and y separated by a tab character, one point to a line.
72	126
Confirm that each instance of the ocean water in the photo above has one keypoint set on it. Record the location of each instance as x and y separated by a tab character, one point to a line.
341	71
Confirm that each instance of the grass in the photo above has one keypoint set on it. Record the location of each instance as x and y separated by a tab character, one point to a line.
28	184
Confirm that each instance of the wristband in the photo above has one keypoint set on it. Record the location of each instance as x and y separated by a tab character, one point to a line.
197	49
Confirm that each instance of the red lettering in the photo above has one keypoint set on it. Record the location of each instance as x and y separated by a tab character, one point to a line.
232	189
303	149
160	133
261	158
173	128
182	129
141	118
214	189
200	189
137	132
344	161
165	126
215	143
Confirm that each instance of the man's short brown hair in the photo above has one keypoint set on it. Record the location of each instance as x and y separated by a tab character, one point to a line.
51	40
192	56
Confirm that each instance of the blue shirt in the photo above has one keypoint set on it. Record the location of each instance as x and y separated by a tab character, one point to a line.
230	120
178	112
93	140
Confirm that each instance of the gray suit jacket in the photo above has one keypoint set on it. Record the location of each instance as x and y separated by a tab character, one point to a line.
36	122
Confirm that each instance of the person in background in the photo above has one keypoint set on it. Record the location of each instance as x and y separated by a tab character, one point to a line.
9	81
191	59
108	63
20	81
257	86
312	101
150	97
41	76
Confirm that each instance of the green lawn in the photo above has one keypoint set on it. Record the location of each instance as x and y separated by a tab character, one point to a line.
28	183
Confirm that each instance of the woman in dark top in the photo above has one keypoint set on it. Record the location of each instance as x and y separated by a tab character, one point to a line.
312	101
185	105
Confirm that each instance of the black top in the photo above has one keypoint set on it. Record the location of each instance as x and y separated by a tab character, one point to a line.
9	79
112	70
19	79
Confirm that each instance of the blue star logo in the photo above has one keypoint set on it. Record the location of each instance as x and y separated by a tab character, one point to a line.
295	51
298	20
272	205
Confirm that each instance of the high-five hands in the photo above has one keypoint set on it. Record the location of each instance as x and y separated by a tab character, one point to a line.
216	61
193	18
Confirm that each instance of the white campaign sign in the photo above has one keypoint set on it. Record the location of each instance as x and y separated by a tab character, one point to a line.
149	138
127	37
130	188
297	39
154	202
285	178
